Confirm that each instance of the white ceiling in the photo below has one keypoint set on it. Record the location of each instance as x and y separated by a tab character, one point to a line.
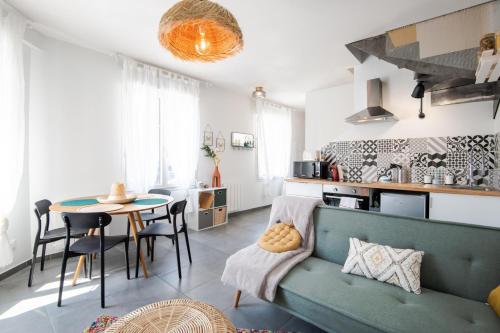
291	46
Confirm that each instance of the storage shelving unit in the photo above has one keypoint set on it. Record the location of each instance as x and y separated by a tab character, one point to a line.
210	208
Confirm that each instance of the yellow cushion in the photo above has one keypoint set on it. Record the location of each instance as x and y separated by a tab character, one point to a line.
494	300
281	237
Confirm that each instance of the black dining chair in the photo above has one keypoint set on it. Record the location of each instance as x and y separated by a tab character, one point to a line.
168	230
90	244
154	215
49	235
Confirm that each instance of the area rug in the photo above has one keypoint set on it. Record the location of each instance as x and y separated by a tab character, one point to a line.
104	321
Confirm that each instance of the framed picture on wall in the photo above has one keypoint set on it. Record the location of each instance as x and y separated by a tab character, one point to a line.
220	144
242	140
208	136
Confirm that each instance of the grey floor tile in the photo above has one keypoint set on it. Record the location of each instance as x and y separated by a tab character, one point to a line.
192	277
254	313
24	309
36	320
213	292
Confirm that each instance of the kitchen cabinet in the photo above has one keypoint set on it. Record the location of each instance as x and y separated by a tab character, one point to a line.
304	189
471	209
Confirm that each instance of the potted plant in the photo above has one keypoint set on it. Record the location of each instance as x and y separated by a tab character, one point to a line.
216	178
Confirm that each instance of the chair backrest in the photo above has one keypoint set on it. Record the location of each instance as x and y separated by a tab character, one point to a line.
178	208
86	220
161	191
41	209
459	259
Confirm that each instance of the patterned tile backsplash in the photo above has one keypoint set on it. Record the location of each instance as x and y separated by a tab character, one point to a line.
367	160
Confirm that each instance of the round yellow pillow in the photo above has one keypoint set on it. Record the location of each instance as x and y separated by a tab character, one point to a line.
281	237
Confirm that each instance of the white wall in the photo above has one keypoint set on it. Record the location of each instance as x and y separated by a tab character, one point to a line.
74	136
327	108
227	111
325	113
73	145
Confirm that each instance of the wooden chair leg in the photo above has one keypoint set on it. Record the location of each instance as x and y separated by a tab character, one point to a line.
237	298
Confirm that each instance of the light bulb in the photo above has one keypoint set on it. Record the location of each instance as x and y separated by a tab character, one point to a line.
202	45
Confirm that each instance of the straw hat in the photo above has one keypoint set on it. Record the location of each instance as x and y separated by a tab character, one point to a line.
117	191
117	195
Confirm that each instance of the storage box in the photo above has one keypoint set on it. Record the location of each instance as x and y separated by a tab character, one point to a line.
219	215
220	197
205	219
206	199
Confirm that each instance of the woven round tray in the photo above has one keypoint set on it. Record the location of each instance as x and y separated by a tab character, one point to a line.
177	315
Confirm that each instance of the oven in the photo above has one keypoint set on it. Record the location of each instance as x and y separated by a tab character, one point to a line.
333	194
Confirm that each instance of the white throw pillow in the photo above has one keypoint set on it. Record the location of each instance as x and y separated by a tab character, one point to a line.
400	267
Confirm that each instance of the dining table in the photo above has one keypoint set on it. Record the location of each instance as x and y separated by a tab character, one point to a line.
144	202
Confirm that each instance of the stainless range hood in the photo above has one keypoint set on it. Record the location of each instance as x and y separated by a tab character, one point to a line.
374	111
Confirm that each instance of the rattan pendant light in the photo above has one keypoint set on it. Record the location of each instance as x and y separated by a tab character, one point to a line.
200	30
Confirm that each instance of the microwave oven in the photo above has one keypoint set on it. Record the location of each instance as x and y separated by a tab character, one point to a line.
310	169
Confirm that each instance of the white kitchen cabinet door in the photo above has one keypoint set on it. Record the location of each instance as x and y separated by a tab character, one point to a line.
471	209
304	190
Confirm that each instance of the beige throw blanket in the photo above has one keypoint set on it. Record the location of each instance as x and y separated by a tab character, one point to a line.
257	271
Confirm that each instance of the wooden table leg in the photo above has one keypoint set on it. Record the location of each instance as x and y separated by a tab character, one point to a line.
81	262
133	228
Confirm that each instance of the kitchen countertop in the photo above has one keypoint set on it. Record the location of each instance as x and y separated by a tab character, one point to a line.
414	187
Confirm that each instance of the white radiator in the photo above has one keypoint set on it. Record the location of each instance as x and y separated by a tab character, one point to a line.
234	197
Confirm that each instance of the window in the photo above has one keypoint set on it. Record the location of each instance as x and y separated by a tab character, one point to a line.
12	120
160	127
274	139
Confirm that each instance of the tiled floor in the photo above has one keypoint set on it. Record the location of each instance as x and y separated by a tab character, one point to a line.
34	309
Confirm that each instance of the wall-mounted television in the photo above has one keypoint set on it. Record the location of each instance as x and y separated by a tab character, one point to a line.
242	140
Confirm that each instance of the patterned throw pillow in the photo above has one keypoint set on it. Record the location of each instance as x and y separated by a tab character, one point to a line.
400	267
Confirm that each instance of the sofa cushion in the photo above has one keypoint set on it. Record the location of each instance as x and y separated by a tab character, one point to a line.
281	237
494	300
400	267
319	292
459	259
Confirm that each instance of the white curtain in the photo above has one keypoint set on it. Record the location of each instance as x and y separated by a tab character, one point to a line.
180	128
160	127
140	125
12	122
274	139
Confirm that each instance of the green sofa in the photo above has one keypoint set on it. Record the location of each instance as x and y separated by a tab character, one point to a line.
460	267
